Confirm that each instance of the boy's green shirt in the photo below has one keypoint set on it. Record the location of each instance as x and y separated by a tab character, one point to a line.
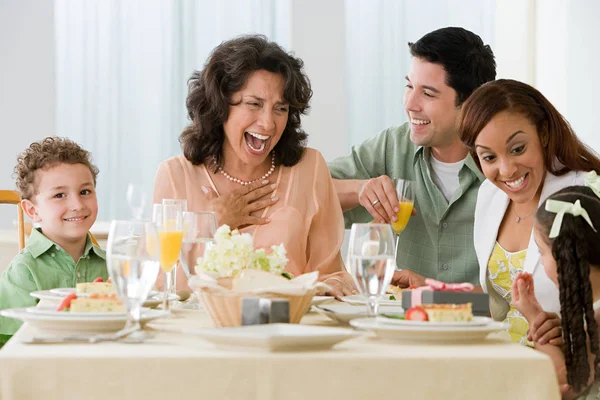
44	265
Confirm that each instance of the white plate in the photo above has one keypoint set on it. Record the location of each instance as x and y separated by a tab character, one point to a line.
384	301
277	337
316	300
344	312
79	323
49	295
428	333
477	321
53	313
67	291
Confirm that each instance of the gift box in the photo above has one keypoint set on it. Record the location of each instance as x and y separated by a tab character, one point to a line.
480	301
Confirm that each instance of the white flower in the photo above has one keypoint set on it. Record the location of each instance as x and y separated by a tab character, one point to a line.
231	252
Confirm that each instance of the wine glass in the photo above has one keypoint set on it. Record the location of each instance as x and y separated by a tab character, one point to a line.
371	259
132	260
198	235
136	198
168	220
182	203
405	190
406	201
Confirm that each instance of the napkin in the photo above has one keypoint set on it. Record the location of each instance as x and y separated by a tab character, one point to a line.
252	281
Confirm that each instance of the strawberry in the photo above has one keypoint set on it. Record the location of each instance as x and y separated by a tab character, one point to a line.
99	279
416	314
66	303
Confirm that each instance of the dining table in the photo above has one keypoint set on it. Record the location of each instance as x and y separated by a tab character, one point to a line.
173	363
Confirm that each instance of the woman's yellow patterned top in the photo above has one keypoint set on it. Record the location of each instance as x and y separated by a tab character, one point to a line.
503	268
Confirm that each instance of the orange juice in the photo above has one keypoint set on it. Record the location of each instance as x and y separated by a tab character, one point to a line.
170	245
403	216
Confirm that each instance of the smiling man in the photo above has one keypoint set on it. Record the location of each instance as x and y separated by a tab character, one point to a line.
447	66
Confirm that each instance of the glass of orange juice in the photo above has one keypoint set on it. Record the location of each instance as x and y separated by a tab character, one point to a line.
405	190
184	207
168	219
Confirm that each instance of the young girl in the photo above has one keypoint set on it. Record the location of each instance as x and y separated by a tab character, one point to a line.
567	233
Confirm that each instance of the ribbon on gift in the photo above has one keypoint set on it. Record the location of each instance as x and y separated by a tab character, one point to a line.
416	297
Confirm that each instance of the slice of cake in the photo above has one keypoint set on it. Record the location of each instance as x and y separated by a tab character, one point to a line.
395	291
97	302
448	312
98	286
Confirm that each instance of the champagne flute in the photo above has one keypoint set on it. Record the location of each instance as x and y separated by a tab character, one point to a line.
168	219
182	203
371	258
405	190
136	198
132	261
198	236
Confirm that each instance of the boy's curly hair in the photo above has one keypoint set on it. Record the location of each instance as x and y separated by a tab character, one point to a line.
46	153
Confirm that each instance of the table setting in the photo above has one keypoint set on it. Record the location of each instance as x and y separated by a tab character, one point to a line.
254	332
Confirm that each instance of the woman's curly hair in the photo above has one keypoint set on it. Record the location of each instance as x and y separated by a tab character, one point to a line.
576	249
225	73
46	153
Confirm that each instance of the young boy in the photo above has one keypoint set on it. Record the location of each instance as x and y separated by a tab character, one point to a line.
57	182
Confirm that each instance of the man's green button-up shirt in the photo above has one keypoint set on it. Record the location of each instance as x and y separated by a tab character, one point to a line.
438	241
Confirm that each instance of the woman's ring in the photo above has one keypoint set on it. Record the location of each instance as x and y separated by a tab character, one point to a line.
375	202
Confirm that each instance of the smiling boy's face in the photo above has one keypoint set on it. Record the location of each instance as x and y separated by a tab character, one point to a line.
64	203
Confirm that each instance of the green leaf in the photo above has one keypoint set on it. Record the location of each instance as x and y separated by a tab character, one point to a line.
286	275
392	297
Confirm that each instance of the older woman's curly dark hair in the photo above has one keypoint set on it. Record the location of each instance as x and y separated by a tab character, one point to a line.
226	72
47	153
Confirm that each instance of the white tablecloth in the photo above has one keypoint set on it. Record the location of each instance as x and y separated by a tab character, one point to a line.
187	367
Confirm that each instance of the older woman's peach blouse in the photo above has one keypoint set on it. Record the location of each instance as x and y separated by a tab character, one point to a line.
307	219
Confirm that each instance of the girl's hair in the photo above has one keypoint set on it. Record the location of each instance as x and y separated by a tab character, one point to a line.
556	135
575	249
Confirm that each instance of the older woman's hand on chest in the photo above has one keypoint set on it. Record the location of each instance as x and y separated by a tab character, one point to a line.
235	208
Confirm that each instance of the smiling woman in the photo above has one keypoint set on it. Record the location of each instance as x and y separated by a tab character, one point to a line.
527	151
244	157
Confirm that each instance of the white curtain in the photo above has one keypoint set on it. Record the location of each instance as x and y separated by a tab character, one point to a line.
377	56
121	73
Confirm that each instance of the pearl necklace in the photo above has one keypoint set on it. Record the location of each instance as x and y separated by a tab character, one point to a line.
241	182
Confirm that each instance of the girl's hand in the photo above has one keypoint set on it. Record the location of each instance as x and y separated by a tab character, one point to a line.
523	297
546	328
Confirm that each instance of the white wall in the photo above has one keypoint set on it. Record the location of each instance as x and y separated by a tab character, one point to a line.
317	36
515	43
582	76
27	105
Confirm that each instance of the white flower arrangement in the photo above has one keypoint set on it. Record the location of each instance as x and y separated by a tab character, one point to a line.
233	251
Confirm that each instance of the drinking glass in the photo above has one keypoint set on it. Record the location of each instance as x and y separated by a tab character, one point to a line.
182	203
405	190
198	235
406	200
136	198
132	260
371	259
168	220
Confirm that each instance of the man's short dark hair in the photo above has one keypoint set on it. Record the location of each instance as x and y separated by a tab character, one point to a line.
468	62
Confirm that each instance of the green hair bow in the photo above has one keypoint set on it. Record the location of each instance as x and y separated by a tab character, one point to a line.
560	208
592	180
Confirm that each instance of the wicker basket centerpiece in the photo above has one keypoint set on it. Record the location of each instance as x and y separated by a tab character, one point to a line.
232	269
